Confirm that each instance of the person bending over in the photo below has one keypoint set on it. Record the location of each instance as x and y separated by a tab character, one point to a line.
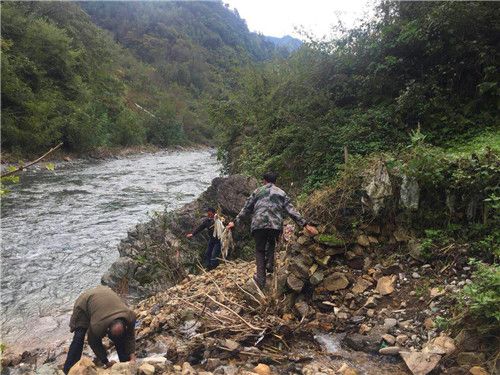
99	312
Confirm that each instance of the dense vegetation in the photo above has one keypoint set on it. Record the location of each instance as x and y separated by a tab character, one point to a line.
427	63
415	88
147	80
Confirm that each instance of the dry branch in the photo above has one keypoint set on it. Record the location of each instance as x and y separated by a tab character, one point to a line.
20	168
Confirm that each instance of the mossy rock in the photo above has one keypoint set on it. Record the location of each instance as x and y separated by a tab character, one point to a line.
329	240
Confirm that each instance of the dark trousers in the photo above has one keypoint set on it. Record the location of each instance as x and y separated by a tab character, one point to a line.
210	260
76	349
265	243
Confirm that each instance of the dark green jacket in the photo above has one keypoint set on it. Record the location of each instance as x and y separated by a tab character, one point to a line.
95	310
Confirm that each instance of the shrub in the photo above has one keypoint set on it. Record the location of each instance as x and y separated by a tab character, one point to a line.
481	299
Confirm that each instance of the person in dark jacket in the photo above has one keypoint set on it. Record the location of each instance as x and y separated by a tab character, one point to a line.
268	206
100	312
210	260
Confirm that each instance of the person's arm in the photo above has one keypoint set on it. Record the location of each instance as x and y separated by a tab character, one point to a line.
294	214
247	208
130	341
204	224
97	347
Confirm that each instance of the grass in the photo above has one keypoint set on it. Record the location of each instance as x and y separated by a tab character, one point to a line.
479	144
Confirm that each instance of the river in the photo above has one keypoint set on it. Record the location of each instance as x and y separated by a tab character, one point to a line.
60	231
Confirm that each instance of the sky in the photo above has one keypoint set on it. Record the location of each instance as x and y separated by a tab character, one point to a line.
279	17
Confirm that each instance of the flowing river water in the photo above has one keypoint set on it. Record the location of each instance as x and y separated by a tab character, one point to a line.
60	231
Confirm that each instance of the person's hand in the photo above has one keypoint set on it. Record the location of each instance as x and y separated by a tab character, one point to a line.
133	358
109	364
189	235
311	230
230	225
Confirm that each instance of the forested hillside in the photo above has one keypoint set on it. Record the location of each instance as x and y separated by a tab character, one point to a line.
394	123
148	80
427	63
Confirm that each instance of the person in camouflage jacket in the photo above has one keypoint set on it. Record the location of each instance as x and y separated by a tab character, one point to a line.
268	205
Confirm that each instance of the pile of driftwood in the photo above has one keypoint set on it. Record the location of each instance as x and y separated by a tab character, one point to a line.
224	304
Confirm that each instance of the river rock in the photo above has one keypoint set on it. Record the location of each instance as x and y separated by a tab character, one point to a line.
187	369
146	369
478	370
85	366
294	283
390	323
324	261
401	339
48	369
317	277
262	369
123	368
371	302
390	350
441	345
299	267
369	343
363	240
420	363
226	370
390	339
345	369
385	285
336	281
360	286
304	240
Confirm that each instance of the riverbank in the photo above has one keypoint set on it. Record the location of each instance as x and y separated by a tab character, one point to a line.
102	153
376	292
378	318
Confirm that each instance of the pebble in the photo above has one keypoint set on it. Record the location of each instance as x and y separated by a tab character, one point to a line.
262	369
390	323
390	350
401	339
390	339
415	275
413	293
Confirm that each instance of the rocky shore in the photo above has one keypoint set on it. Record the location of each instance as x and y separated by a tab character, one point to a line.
356	301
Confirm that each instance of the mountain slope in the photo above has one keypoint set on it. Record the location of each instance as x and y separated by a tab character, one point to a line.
149	81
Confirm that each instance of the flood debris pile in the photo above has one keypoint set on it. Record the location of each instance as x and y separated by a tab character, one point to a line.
221	323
